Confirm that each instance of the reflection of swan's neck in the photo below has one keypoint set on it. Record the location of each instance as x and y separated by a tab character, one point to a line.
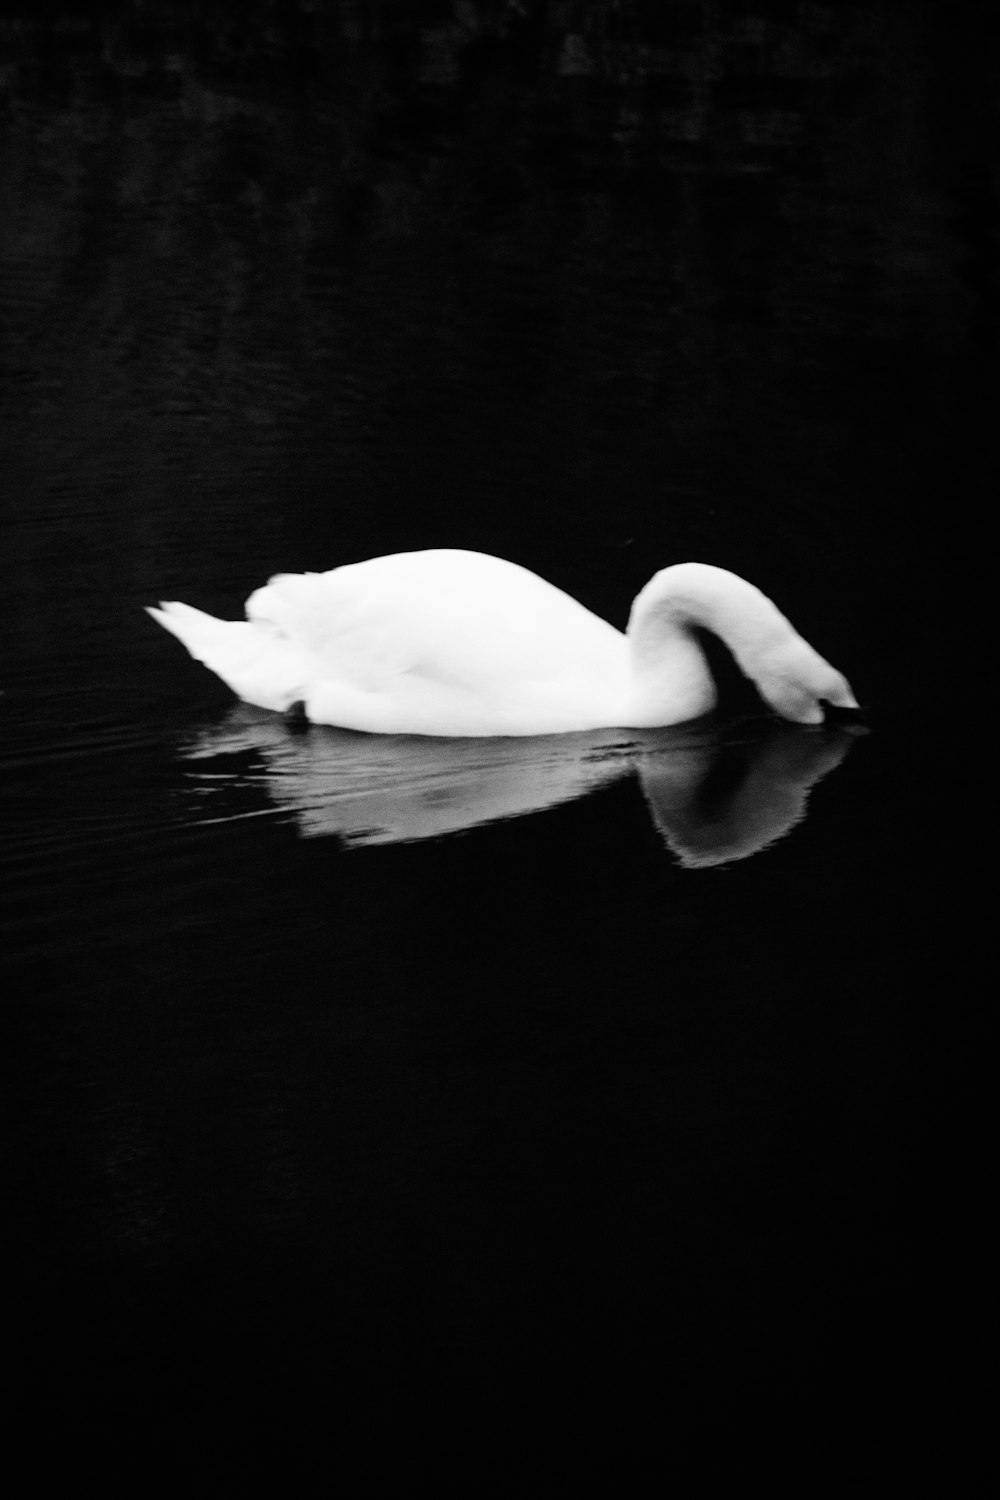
668	665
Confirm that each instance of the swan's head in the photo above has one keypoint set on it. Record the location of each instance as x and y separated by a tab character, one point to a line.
797	683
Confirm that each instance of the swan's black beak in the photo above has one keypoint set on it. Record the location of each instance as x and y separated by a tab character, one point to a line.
853	720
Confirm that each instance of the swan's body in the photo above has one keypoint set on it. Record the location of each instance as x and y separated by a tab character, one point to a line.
459	643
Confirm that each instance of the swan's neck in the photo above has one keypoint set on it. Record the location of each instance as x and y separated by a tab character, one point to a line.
669	670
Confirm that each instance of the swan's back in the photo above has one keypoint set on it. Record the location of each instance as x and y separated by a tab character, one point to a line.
462	617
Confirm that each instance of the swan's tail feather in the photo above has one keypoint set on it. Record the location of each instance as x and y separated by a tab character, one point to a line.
257	663
202	634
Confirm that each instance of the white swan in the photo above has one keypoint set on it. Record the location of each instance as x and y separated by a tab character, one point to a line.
457	643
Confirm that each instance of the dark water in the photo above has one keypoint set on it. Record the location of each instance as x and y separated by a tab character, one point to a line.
499	1118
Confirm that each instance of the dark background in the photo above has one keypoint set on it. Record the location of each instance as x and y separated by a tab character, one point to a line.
524	1158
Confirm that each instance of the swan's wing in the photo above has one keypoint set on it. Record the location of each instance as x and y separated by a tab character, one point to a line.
457	619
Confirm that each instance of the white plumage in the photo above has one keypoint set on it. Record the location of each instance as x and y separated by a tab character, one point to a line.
447	642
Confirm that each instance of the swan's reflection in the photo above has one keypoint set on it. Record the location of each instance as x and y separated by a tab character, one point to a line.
716	793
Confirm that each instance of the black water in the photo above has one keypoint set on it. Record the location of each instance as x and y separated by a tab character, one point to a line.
537	1152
